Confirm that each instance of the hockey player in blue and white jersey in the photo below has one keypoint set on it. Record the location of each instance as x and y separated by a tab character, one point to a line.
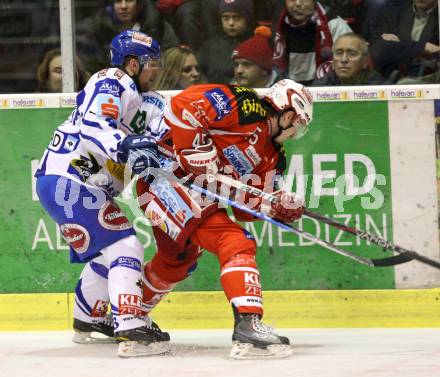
81	171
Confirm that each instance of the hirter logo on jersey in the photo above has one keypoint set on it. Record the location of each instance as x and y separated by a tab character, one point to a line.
250	109
111	217
220	101
76	236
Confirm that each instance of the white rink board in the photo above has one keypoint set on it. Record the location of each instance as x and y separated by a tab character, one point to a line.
413	175
321	94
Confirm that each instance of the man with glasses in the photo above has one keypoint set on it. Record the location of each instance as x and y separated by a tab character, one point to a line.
350	64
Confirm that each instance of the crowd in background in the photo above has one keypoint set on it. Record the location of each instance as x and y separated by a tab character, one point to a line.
248	42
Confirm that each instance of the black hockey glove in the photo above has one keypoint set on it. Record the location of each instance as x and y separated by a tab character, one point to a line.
141	154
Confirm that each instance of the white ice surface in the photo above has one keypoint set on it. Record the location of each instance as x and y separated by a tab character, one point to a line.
197	353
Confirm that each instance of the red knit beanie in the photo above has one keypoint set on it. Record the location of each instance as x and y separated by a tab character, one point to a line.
256	49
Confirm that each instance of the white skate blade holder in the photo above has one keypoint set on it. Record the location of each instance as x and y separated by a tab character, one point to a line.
133	348
247	351
82	337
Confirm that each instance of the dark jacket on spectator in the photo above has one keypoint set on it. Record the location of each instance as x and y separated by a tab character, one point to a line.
367	77
105	27
215	58
405	55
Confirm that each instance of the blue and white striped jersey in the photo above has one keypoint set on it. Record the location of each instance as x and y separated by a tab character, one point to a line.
85	147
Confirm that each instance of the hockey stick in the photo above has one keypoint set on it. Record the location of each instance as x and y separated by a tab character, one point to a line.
404	255
229	201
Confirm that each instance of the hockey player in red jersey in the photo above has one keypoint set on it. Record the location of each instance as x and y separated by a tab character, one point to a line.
214	128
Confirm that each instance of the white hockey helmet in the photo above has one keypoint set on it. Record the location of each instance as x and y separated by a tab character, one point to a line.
287	94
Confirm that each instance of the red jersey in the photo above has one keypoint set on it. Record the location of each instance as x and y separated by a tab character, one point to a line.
234	118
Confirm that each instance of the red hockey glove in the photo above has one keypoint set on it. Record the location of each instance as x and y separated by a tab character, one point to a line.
288	208
203	159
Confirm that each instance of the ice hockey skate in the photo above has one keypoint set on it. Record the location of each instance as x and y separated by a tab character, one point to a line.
148	340
93	333
252	339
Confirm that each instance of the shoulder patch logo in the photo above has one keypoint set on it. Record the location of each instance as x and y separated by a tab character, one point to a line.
220	101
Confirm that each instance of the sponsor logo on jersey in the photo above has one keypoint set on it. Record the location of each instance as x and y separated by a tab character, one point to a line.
116	169
102	72
242	89
111	217
171	200
119	73
108	106
181	216
109	86
186	115
153	101
100	309
86	166
127	262
130	304
4	103
250	109
76	236
200	111
63	143
159	218
71	143
220	101
238	160
253	155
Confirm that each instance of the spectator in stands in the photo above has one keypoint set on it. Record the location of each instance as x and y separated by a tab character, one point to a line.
237	18
121	15
304	39
50	75
407	39
181	69
186	18
253	60
263	11
351	11
350	64
372	9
